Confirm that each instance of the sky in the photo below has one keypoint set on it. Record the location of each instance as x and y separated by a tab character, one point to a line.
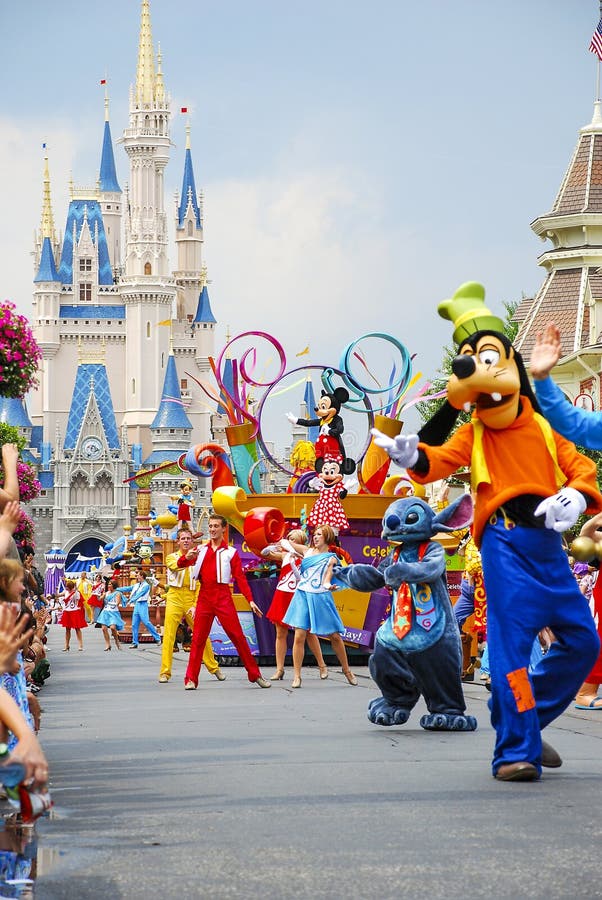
358	161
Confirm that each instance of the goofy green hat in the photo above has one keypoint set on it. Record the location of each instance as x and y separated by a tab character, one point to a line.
468	312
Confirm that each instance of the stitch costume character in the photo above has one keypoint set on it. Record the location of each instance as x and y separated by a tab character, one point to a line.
329	442
530	484
417	648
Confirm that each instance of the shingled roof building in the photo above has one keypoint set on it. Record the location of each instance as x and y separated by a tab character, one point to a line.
571	294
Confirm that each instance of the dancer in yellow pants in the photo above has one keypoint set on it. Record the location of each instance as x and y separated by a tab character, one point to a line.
180	600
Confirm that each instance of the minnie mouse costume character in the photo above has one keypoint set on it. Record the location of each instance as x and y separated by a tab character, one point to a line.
329	441
327	510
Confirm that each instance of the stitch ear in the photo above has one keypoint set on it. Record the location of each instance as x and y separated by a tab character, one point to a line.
455	516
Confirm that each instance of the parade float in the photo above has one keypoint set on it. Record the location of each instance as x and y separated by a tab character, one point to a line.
369	388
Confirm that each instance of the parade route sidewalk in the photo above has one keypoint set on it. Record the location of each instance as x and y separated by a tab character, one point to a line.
231	791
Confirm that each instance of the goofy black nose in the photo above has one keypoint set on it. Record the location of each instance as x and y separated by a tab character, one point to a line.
463	366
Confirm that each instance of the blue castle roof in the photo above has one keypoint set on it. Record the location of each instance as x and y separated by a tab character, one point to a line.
90	311
108	174
91	377
310	401
203	310
157	457
47	268
228	380
171	412
13	412
77	209
188	193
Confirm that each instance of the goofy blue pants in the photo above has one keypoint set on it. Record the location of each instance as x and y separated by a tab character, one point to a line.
529	585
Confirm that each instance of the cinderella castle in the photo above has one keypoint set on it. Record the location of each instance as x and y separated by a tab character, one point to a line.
119	331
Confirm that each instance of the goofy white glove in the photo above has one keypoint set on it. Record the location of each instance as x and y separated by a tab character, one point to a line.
563	509
402	449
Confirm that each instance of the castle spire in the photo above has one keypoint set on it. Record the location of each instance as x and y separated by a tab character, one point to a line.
188	195
46	267
145	72
108	174
47	227
171	412
159	83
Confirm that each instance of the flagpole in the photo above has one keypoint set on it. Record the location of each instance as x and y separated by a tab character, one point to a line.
598	65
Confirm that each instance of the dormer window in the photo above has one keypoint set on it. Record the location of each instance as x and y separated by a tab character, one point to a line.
85	292
85	264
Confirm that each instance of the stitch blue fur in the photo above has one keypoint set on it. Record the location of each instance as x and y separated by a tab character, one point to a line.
427	661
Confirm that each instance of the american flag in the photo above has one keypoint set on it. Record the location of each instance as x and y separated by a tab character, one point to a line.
596	41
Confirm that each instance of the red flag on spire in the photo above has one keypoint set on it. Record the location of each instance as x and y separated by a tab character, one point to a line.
184	109
103	80
596	41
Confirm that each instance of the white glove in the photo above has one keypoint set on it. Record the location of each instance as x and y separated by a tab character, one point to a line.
563	509
292	418
402	449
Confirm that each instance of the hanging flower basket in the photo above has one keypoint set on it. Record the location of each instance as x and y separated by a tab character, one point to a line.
24	531
19	353
29	486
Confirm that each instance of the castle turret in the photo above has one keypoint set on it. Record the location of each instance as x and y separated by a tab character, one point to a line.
147	288
46	302
189	240
110	196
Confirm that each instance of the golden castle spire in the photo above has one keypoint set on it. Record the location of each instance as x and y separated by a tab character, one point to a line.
145	72
159	84
47	226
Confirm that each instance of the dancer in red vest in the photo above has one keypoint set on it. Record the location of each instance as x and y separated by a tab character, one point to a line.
216	565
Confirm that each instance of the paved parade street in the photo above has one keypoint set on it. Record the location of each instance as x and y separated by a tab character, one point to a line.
232	791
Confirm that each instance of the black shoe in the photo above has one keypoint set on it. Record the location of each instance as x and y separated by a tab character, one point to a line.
133	646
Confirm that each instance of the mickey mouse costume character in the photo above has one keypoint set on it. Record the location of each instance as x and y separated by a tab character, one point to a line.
530	484
329	441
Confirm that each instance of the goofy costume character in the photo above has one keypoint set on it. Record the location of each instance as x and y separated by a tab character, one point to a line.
530	484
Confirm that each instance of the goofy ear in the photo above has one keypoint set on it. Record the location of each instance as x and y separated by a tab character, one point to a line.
456	516
439	427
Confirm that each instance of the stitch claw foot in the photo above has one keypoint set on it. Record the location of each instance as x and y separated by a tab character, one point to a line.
448	722
381	712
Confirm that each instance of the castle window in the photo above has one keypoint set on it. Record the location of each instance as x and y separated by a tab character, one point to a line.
184	384
133	385
85	291
85	264
162	360
190	229
147	269
148	329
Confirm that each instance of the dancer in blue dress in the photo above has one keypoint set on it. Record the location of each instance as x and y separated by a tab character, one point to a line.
312	608
109	617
